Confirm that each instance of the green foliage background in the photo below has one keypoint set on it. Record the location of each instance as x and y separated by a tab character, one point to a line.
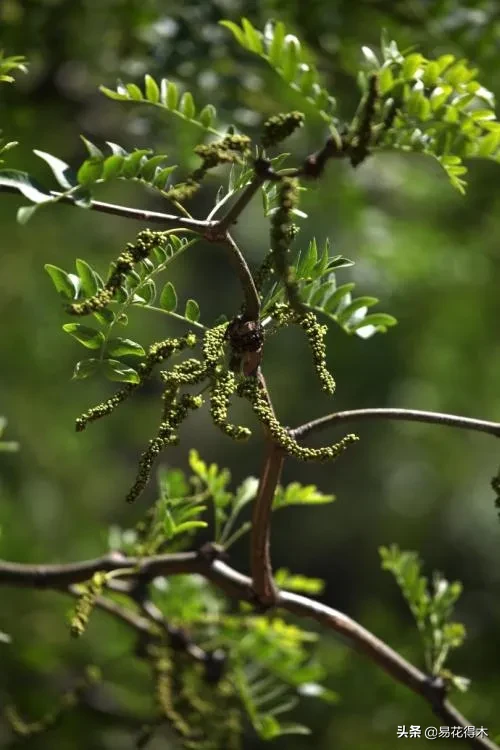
429	254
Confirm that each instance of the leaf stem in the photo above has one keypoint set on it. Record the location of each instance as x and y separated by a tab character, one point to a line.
252	299
173	315
240	204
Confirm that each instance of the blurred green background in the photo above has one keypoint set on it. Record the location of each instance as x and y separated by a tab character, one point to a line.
431	256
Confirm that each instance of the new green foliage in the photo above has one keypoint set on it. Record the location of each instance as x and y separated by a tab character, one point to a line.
166	96
432	609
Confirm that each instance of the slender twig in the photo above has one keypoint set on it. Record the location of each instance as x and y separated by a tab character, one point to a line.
239	205
173	315
261	566
405	415
240	587
155	217
221	203
237	259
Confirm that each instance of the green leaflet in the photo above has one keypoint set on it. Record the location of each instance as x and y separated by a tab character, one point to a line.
318	290
438	108
10	64
432	608
285	54
165	95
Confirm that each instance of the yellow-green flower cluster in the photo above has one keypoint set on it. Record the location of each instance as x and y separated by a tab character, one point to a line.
67	701
264	271
279	127
102	410
281	231
228	150
223	387
174	413
157	352
176	408
284	315
124	264
165	695
315	335
86	603
362	139
252	390
213	344
189	372
183	191
204	716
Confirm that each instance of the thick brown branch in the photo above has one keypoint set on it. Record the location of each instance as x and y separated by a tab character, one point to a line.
405	415
390	661
61	576
240	587
261	566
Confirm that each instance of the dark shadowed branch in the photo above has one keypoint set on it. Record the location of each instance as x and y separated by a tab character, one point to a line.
240	587
154	217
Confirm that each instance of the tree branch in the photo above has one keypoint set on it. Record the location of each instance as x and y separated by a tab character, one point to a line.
252	300
240	587
239	205
406	415
261	566
61	576
432	691
142	215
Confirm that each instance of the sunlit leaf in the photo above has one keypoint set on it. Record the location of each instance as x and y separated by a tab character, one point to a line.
87	336
68	285
168	297
186	105
61	171
192	311
119	347
88	277
151	88
85	369
25	184
118	372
